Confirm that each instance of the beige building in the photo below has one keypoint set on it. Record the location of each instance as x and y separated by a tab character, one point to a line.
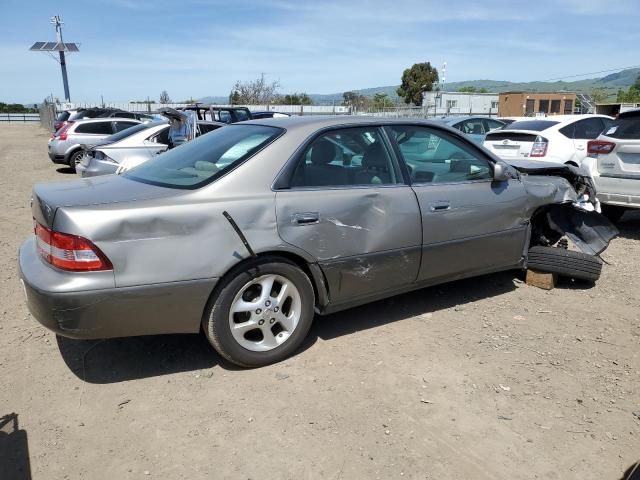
519	104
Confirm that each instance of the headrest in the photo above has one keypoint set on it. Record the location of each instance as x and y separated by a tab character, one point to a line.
375	157
323	152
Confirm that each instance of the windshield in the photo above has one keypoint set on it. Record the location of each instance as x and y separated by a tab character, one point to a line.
537	125
206	158
127	132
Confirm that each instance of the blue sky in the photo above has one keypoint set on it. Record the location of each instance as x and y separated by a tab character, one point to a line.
134	48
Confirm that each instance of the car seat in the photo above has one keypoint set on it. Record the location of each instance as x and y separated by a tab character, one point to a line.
320	171
375	166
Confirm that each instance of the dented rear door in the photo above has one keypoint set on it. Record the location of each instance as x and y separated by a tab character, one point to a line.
366	240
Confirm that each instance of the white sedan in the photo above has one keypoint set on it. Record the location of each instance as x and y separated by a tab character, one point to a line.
560	139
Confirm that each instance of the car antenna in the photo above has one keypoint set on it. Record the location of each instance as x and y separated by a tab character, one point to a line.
234	225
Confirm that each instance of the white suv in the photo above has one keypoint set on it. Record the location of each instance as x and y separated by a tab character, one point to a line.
614	164
560	139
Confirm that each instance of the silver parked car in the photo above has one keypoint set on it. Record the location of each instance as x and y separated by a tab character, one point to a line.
614	164
65	146
248	231
137	145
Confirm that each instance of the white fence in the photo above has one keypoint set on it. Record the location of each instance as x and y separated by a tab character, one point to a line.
19	117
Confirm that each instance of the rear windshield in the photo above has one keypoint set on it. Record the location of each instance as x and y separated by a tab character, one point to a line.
129	131
625	128
537	125
201	161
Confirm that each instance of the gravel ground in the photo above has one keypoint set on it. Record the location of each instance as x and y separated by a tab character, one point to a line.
484	378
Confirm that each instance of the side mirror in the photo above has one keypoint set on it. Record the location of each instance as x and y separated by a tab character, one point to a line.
501	172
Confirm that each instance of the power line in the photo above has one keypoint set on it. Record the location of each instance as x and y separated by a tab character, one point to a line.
590	73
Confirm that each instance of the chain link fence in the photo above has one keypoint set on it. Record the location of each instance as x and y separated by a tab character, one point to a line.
48	115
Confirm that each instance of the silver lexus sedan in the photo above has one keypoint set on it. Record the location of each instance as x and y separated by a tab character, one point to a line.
248	231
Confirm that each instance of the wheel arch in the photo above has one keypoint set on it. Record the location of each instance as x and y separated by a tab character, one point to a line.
311	270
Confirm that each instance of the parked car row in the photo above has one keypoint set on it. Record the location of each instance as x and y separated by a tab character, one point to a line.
131	147
607	149
246	232
76	130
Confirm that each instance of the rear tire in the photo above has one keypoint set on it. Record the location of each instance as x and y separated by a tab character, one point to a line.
252	326
75	158
613	212
566	263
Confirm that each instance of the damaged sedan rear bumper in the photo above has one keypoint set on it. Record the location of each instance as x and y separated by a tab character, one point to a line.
174	307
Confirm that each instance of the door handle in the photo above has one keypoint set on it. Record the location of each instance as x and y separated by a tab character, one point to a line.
440	206
305	218
580	147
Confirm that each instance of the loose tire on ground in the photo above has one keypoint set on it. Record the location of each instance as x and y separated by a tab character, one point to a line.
219	317
566	263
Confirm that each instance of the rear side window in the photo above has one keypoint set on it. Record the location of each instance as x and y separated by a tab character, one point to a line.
344	157
472	127
587	129
129	131
120	126
625	128
241	115
203	160
537	125
95	128
205	128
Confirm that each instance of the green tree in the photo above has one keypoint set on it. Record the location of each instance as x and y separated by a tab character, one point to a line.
294	99
632	95
415	80
255	92
355	101
382	100
599	94
164	97
469	89
349	98
234	97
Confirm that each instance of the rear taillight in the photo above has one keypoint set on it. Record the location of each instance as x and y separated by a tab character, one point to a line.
62	133
539	147
600	147
69	252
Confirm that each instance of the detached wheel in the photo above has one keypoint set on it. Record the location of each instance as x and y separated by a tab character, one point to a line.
75	158
613	212
566	263
261	314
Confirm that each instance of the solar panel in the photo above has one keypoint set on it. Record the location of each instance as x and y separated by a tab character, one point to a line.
55	47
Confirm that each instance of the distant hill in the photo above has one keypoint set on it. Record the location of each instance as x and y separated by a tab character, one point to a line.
610	83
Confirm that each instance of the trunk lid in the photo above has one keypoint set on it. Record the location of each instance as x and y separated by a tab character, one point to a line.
511	144
46	198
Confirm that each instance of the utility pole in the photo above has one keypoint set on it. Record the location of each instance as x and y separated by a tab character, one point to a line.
60	47
57	21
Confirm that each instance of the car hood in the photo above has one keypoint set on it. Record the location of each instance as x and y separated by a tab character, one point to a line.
48	197
537	166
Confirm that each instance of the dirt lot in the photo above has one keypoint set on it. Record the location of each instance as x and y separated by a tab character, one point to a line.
479	379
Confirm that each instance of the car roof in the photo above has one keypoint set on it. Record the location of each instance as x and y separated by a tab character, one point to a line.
630	113
105	119
314	123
